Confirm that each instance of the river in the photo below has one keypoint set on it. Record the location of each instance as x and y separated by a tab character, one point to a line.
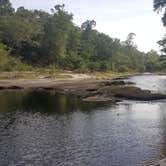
40	128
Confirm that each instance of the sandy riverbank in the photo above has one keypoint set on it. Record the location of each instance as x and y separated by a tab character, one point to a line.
84	86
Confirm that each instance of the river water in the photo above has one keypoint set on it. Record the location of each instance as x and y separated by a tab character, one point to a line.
47	129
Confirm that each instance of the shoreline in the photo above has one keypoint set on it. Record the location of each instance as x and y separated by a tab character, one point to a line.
86	87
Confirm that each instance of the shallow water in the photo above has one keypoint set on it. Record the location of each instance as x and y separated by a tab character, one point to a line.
156	83
47	129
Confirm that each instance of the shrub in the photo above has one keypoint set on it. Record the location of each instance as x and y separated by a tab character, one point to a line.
9	63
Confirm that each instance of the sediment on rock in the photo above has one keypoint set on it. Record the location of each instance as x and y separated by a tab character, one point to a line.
88	90
133	93
98	99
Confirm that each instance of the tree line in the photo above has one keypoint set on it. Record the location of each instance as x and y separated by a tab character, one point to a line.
39	38
160	6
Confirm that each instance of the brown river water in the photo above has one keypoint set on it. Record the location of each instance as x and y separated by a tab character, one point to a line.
40	128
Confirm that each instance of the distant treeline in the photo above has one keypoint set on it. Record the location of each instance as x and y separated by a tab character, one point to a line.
38	38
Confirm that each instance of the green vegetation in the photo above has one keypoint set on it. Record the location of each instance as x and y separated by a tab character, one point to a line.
9	63
40	39
160	6
113	74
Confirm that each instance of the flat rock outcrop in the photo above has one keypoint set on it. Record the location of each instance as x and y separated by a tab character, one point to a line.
88	89
133	93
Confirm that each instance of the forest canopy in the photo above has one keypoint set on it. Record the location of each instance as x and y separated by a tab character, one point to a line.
39	38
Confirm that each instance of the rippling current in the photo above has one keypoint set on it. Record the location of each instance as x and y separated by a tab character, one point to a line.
40	128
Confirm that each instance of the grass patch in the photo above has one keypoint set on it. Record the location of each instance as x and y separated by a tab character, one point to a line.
112	74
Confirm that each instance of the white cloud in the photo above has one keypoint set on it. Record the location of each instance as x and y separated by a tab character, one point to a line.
148	30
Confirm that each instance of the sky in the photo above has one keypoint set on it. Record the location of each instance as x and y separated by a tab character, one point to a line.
116	18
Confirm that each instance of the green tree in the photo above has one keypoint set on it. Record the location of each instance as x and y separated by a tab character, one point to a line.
152	61
160	5
7	62
40	38
88	25
6	8
56	30
21	35
130	40
87	46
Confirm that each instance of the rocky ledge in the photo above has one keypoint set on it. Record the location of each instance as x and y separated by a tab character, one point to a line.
94	90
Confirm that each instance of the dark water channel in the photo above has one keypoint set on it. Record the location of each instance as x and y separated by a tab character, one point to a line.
40	128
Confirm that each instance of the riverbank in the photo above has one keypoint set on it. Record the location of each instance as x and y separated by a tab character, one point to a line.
85	86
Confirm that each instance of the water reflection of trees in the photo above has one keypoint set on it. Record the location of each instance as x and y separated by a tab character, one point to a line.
51	102
25	122
11	100
45	102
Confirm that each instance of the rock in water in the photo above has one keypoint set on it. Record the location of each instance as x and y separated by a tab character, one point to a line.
161	162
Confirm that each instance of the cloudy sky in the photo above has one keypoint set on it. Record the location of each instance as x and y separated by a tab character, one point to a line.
116	18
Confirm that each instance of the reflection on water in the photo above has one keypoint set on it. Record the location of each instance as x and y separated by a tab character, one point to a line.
43	102
47	129
155	83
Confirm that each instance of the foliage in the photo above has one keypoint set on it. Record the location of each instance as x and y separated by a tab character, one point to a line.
160	6
42	39
8	63
152	61
6	8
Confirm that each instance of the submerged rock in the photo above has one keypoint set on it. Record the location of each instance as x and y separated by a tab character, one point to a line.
98	99
116	83
121	78
161	162
88	90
